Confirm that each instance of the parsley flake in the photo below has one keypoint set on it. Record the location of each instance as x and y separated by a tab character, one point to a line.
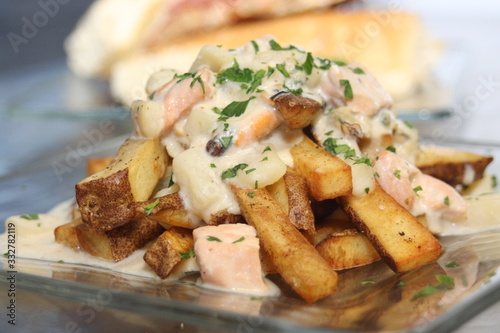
347	89
231	172
239	240
30	217
452	264
233	109
447	201
255	46
332	147
213	239
149	208
391	149
283	70
417	189
188	254
358	70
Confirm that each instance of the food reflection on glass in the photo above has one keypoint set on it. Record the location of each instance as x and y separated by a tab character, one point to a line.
268	160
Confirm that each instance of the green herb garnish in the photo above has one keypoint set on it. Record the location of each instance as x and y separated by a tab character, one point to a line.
452	264
149	208
283	70
239	240
233	109
213	239
188	254
231	172
30	217
347	89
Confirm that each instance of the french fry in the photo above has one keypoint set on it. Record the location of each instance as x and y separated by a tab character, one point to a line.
294	257
105	198
291	193
402	241
347	249
120	242
165	253
452	166
297	111
327	176
66	234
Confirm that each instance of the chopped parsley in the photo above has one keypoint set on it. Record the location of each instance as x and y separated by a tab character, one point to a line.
188	254
277	47
255	46
452	264
231	172
239	240
171	180
283	70
364	160
149	208
339	63
198	79
308	65
225	141
364	283
445	283
358	70
213	239
251	194
367	190
256	81
30	217
494	181
266	149
347	89
391	149
250	170
447	201
213	165
296	92
397	173
417	189
233	109
235	74
332	147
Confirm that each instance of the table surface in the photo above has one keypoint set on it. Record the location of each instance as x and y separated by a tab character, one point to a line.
472	26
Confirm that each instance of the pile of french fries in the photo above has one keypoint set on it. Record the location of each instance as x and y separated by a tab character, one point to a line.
309	223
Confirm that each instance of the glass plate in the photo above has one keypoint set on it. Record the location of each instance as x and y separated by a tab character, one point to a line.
370	298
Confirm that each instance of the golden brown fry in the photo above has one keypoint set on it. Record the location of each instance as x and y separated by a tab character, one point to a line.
66	234
105	198
96	164
452	166
347	249
293	256
327	176
165	253
402	241
297	111
291	193
120	242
